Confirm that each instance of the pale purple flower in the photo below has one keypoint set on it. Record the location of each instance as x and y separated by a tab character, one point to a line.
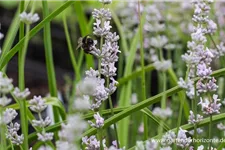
42	122
220	126
151	144
12	134
82	103
162	65
4	101
87	86
203	71
91	143
5	84
101	93
29	18
102	13
99	121
162	113
8	115
159	41
114	146
211	85
91	73
182	140
199	131
73	129
112	86
98	30
193	120
221	49
211	26
168	138
37	104
188	85
44	136
21	94
210	107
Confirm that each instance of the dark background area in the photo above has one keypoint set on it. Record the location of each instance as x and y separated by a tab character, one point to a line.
35	68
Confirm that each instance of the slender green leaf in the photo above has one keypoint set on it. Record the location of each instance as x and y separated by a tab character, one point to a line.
144	104
4	60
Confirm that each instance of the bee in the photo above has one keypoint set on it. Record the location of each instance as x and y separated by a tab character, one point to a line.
85	43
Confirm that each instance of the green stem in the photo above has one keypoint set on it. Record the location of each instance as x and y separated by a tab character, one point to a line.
210	131
49	60
24	123
74	62
182	99
143	72
99	70
163	103
195	112
23	115
112	113
21	147
70	48
2	130
100	138
22	58
22	103
163	100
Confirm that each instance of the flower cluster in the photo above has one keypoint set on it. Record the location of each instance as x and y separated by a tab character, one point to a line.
93	86
5	84
162	113
71	133
153	32
99	121
182	140
198	59
210	107
9	115
5	87
199	131
21	94
91	142
37	104
194	120
168	138
29	18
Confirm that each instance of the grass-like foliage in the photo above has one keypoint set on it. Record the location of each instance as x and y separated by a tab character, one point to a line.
146	75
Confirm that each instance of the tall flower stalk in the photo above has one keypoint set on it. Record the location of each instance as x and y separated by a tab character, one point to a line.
198	59
107	52
27	19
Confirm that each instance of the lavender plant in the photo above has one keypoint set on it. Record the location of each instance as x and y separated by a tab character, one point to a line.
125	93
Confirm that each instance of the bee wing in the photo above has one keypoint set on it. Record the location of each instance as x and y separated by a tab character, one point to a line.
79	43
